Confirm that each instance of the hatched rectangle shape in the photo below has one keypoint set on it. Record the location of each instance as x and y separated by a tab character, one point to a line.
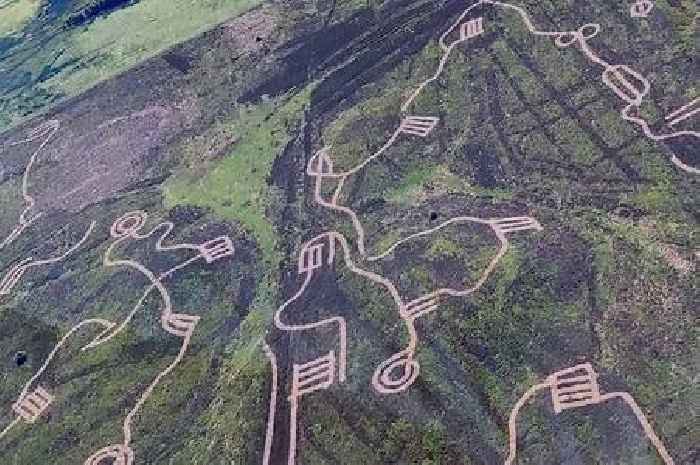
217	248
517	223
574	387
31	406
313	376
472	28
180	324
311	258
418	125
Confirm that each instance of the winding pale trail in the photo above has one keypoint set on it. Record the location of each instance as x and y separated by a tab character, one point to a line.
580	389
323	369
619	78
46	130
124	229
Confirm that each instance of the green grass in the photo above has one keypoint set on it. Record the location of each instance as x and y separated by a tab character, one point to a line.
104	48
128	36
684	21
15	14
237	187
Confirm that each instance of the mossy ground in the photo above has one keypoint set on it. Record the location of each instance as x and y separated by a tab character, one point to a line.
596	285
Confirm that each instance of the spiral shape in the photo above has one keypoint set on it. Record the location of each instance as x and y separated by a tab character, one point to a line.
128	224
385	383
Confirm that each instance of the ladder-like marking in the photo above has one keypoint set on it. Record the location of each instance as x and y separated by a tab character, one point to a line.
418	125
471	29
311	258
180	324
217	248
574	387
518	223
31	406
313	376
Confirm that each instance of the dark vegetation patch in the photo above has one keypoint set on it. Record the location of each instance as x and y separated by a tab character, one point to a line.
179	61
488	172
95	9
304	55
401	29
20	358
534	315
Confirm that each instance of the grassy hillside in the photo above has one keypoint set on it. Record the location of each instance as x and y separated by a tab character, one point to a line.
53	50
214	134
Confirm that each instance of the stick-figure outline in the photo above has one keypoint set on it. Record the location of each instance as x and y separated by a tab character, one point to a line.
128	227
45	131
576	387
629	85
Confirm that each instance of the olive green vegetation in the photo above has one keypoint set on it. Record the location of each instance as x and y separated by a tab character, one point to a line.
237	188
685	24
15	14
598	284
50	60
92	387
522	316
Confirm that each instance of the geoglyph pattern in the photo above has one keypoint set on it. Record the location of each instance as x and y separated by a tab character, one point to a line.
571	388
577	387
127	228
330	368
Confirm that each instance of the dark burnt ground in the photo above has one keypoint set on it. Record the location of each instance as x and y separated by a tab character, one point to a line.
598	284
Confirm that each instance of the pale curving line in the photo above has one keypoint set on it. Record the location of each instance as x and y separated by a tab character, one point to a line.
119	454
427	232
110	333
684	112
320	167
512	420
320	373
9	427
627	84
49	358
46	130
59	345
683	166
646	426
13	276
125	228
382	380
577	387
147	393
647	130
270	432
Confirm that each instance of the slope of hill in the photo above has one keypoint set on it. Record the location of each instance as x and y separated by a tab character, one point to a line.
349	233
53	50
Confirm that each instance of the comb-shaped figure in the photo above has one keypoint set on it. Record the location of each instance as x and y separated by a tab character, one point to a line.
578	387
129	228
399	371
